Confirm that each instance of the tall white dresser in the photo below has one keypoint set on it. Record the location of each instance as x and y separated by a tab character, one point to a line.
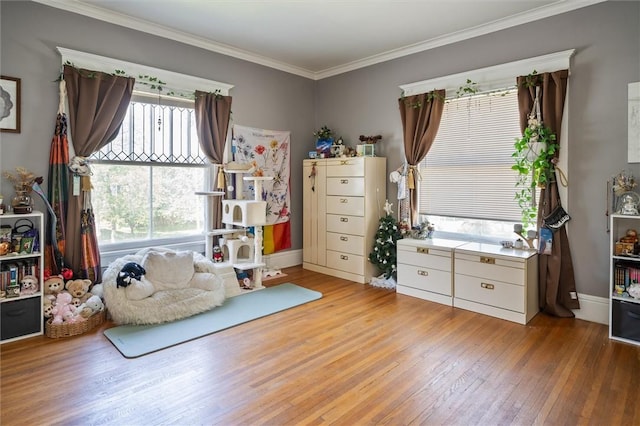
343	202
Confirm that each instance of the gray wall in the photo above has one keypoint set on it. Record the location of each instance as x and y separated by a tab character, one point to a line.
606	38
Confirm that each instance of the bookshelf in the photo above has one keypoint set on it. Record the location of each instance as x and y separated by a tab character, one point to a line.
624	310
21	314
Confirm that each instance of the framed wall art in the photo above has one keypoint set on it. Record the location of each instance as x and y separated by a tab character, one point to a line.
9	104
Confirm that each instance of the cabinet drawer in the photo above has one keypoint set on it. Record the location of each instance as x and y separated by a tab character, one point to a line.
345	243
20	317
345	262
345	186
424	278
352	206
425	257
345	167
343	224
502	270
492	293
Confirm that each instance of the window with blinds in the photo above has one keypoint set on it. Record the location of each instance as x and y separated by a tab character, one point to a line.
466	178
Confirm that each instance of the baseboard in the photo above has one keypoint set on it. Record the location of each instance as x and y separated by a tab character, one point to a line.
283	259
593	308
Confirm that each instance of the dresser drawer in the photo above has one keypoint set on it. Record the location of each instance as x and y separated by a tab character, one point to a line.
491	268
345	262
487	292
352	206
424	278
344	224
345	186
345	243
345	167
425	257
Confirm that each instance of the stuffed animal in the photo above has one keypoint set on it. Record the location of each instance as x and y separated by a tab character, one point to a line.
97	290
91	306
130	271
29	285
218	257
47	305
79	289
54	284
63	309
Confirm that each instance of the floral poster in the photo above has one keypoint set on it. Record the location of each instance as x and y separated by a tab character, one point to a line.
268	153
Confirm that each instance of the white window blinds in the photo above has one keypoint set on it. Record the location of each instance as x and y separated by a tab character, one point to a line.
467	172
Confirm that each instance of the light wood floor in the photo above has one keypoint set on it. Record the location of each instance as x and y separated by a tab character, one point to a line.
360	355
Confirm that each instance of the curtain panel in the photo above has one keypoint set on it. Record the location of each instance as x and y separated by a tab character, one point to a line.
98	103
213	114
556	276
420	115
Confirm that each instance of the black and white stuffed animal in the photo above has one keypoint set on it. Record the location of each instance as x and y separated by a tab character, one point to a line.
130	271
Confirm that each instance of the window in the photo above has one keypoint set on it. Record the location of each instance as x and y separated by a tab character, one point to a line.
468	187
146	178
467	184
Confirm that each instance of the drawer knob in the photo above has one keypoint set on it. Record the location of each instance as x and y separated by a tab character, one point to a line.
343	257
423	250
344	181
489	260
344	162
423	273
487	286
344	219
344	200
343	238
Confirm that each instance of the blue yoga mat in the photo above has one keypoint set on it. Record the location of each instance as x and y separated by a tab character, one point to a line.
136	340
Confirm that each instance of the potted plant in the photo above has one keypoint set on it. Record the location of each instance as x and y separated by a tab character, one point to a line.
534	161
324	140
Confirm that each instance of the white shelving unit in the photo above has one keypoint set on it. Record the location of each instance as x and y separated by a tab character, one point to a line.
624	310
22	316
241	252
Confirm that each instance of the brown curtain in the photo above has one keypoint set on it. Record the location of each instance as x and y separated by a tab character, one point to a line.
556	278
213	113
420	116
98	103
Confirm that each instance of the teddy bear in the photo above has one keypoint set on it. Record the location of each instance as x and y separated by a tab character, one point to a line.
91	306
63	310
54	284
79	289
29	285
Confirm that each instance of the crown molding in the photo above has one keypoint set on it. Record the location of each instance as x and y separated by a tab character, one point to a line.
95	12
171	34
512	21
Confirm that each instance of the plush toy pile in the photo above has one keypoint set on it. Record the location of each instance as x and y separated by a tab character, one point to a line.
70	302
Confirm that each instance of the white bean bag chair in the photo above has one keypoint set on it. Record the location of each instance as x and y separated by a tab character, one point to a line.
177	284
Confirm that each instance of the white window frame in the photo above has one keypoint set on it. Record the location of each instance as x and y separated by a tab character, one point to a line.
180	84
497	77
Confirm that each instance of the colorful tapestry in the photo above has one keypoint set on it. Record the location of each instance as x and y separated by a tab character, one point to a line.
268	152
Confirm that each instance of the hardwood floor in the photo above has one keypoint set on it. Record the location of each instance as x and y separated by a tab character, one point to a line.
360	355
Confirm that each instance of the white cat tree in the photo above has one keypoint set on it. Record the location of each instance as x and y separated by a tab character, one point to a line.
240	251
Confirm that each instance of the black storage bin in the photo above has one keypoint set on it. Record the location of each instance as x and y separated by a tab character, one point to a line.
20	317
625	320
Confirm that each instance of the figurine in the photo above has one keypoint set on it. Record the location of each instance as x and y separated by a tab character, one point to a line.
629	205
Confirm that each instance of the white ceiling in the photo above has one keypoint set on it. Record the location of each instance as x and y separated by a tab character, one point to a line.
318	38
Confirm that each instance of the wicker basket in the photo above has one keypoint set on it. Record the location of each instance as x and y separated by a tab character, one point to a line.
73	329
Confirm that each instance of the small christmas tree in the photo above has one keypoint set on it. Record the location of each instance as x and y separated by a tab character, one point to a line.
384	252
